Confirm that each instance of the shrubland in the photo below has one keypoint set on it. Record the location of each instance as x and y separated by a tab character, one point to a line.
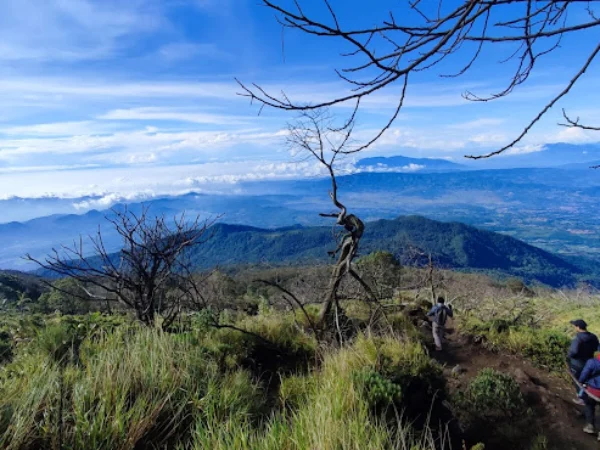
250	372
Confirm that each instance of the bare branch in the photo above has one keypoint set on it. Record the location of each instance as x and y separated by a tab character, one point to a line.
574	123
386	54
151	262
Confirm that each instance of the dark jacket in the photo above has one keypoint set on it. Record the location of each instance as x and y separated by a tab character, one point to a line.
583	346
590	374
437	314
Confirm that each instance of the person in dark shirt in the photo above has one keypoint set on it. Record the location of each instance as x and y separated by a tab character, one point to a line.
590	380
439	314
582	349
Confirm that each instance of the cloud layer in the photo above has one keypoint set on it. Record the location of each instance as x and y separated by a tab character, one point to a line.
127	98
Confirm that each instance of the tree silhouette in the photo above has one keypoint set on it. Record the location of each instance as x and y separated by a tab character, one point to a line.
151	274
417	36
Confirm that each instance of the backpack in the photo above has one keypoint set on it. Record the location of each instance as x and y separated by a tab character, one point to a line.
441	315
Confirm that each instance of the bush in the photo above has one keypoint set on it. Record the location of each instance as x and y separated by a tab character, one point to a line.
405	363
272	342
548	348
60	342
492	396
139	388
378	391
545	347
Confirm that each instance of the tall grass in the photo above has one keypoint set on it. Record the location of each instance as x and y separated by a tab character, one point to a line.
130	386
140	388
325	409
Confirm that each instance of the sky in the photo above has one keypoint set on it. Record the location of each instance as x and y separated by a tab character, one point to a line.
126	99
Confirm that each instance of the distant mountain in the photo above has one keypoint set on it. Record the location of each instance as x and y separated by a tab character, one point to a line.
38	236
582	166
454	245
552	155
554	209
404	163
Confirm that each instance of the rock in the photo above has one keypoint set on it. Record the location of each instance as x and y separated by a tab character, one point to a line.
457	370
520	376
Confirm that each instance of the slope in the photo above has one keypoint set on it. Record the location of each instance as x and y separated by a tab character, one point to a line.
455	245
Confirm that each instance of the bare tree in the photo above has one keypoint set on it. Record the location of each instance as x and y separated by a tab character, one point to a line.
151	274
417	36
315	134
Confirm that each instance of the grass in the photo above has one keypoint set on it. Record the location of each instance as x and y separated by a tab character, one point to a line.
324	409
542	332
126	387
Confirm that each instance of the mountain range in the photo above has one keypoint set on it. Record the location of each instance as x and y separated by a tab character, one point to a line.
453	246
404	163
555	209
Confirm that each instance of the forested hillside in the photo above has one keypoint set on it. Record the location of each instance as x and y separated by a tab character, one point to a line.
411	239
453	245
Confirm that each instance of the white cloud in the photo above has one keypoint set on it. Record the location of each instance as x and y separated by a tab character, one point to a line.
487	139
477	123
406	137
144	181
92	88
524	149
46	168
148	180
384	168
173	114
123	144
71	30
574	136
58	129
181	51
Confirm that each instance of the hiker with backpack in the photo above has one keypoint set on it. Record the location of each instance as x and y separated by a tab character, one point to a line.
439	314
582	349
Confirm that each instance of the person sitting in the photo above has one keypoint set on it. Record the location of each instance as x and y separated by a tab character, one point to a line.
590	380
440	314
582	349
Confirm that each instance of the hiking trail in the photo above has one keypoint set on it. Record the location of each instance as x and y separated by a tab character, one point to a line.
548	395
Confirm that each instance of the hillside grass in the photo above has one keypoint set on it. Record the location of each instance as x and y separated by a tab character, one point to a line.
124	386
539	329
127	386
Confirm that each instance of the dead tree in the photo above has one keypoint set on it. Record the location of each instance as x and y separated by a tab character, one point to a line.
315	134
151	274
418	36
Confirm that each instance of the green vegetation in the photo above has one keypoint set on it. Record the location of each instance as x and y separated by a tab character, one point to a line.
248	371
136	387
538	330
18	290
454	245
493	409
492	396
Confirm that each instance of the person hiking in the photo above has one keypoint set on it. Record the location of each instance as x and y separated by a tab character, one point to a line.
439	314
590	380
582	349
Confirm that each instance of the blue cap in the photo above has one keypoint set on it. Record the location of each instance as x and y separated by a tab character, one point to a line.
580	323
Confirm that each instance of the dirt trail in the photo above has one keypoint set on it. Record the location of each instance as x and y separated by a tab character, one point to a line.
549	396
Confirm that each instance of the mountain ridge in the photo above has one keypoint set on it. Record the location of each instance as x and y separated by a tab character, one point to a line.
408	163
454	245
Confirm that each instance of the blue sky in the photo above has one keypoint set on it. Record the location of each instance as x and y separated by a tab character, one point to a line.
129	98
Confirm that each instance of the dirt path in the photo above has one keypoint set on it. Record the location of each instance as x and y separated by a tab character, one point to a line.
549	396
